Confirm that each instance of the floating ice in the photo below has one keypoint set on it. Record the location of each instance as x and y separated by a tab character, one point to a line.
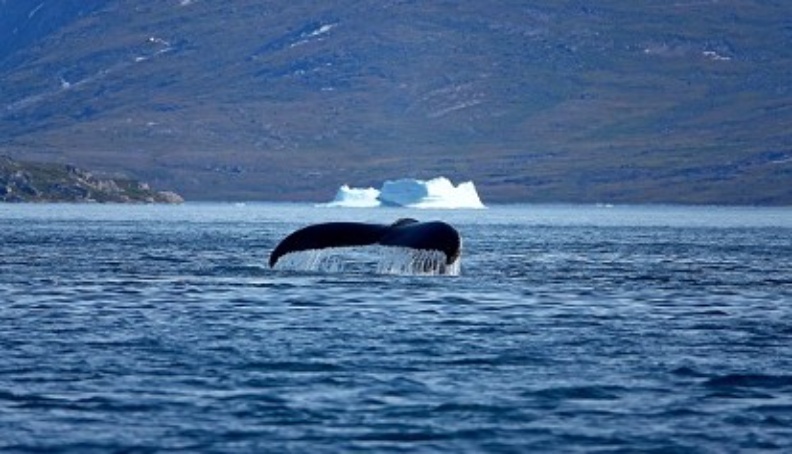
435	193
356	197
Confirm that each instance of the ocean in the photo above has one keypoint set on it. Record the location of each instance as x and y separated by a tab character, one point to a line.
606	329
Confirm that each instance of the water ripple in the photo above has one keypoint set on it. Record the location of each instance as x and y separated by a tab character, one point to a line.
119	335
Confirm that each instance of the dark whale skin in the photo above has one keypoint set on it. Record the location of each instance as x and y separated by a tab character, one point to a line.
433	235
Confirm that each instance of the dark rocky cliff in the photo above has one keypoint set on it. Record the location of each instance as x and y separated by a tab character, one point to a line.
43	182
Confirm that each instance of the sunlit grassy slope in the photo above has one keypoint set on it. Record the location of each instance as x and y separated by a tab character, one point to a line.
612	101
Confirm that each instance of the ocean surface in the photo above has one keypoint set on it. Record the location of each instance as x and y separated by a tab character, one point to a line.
600	329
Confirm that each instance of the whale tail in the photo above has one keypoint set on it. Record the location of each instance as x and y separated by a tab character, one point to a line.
409	233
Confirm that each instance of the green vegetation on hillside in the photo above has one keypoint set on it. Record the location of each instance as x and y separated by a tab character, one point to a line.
615	101
45	182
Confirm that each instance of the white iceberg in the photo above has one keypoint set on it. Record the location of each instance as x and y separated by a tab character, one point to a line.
435	193
356	197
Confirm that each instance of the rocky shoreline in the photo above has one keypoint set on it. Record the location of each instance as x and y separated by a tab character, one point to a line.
48	182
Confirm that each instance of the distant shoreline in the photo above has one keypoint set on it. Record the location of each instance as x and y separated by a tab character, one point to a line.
37	182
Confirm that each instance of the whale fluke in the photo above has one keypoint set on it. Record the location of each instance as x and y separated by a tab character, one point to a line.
409	233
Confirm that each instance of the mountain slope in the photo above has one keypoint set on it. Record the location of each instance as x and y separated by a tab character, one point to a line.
39	182
684	101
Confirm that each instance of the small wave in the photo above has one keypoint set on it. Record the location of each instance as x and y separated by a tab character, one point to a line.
581	393
239	270
161	257
92	403
490	361
457	300
295	366
685	371
739	393
24	398
467	408
750	381
784	409
402	435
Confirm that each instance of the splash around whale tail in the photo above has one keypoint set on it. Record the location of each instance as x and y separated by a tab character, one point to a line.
408	233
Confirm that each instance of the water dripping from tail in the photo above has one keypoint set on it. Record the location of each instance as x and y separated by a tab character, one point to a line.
379	259
405	261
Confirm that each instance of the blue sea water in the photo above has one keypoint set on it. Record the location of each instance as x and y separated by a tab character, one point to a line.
569	329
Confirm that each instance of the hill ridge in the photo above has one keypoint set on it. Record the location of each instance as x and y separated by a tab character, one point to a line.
685	102
42	182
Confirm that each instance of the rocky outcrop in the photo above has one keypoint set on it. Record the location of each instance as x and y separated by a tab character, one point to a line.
46	182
